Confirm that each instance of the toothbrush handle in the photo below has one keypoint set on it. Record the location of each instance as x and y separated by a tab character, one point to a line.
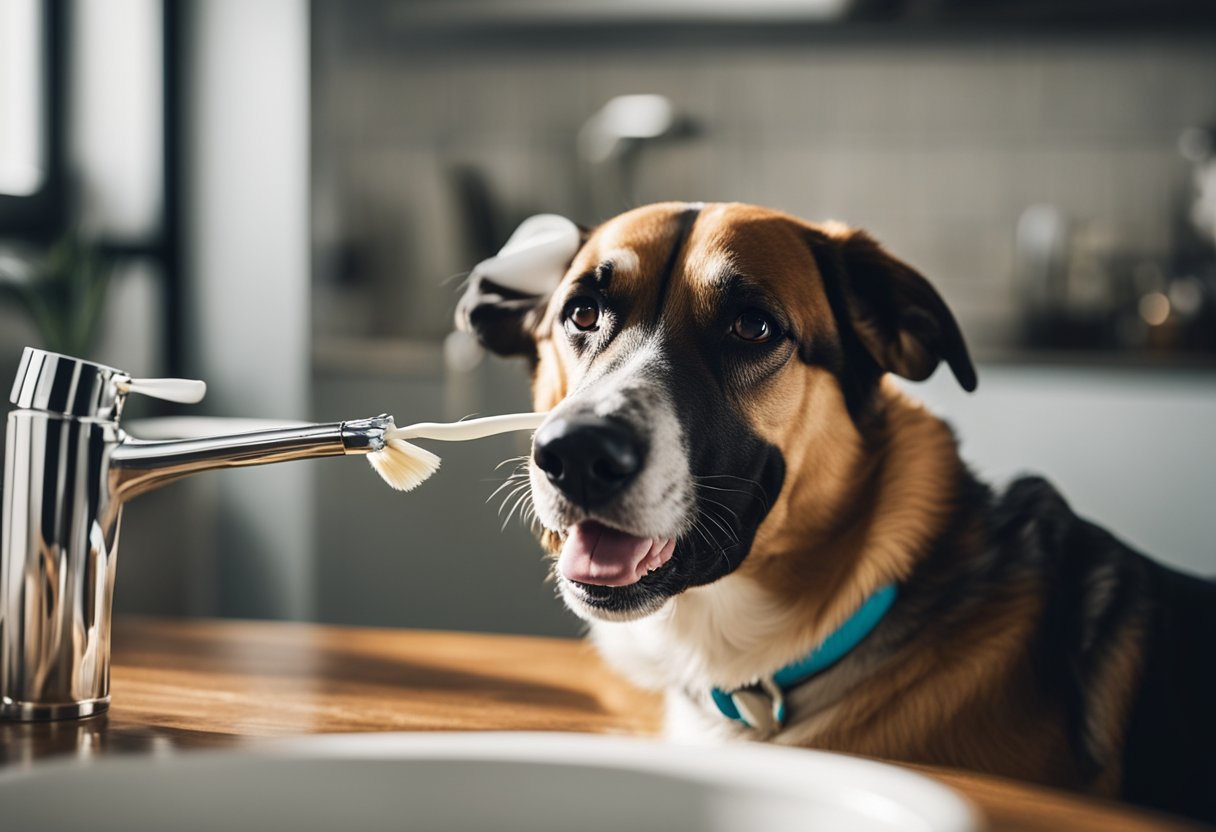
471	428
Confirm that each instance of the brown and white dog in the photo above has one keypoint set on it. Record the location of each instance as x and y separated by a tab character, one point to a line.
726	476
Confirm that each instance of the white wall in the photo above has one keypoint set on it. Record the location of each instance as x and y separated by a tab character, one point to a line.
116	114
248	277
115	119
1130	449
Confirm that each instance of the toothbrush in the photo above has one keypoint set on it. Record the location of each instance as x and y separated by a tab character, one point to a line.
405	466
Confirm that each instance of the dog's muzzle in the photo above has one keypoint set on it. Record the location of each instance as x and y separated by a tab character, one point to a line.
591	461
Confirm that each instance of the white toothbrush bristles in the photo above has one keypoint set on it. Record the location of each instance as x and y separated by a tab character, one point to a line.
402	464
405	466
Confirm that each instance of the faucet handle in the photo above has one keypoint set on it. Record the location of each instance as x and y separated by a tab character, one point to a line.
180	390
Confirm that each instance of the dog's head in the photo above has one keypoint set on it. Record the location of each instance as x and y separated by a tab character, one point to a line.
705	368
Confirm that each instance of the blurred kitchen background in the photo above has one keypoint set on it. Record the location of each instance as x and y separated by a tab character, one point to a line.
282	197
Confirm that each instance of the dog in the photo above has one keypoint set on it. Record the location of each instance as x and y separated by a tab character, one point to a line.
757	521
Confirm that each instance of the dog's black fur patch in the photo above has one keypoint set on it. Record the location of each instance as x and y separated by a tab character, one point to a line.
1170	753
1094	586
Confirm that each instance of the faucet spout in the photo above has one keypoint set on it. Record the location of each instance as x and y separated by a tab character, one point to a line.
68	469
138	466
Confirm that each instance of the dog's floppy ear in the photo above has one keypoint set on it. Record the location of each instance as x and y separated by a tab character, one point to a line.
892	310
505	295
502	319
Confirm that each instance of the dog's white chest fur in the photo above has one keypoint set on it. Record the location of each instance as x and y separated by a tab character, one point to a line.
724	635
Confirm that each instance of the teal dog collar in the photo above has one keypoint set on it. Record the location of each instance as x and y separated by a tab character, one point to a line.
747	704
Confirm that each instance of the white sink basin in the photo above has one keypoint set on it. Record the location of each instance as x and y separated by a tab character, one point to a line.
467	782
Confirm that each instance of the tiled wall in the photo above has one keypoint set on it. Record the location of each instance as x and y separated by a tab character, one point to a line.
935	147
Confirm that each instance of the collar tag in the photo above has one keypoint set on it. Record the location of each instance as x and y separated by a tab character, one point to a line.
760	706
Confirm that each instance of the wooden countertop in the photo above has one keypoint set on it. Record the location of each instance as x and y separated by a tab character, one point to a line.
193	684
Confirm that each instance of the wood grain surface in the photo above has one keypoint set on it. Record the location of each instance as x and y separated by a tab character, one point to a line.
199	684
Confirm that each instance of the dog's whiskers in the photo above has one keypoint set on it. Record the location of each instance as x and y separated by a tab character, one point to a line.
525	500
720	551
529	515
515	487
506	520
731	515
699	528
700	487
717	521
727	532
512	480
513	500
514	492
766	502
518	495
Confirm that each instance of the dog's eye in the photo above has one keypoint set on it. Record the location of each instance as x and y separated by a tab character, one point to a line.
753	327
583	312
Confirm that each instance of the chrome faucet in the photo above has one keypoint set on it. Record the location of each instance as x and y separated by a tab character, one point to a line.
68	469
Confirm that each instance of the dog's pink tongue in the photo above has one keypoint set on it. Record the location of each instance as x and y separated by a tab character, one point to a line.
596	554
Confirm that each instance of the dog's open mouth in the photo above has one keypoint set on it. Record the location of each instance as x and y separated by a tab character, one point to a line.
597	555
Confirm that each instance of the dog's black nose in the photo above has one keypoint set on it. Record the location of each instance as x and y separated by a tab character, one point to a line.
588	458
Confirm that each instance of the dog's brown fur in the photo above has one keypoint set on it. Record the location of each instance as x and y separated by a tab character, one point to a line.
872	495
